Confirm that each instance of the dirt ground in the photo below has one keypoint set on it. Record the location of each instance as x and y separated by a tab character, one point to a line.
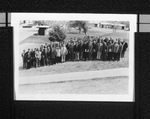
113	85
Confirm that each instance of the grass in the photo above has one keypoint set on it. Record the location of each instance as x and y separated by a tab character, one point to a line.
35	40
74	33
76	66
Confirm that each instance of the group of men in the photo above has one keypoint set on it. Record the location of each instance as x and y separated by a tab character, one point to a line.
77	49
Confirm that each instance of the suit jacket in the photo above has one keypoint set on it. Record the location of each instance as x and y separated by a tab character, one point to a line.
120	48
116	48
125	46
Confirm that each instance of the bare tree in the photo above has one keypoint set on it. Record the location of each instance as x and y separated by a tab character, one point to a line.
79	25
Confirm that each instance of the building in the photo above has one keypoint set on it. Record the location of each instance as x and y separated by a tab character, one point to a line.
112	25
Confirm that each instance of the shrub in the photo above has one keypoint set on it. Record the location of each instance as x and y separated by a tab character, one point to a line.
57	34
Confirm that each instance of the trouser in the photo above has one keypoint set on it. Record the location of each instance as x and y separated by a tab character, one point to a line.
109	56
46	60
72	56
31	62
58	59
122	54
28	64
118	56
49	61
94	55
34	62
68	56
43	61
37	62
86	55
77	56
103	56
99	55
53	61
24	64
115	56
81	55
63	58
90	55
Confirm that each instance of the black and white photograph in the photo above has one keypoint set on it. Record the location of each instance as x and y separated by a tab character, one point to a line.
74	57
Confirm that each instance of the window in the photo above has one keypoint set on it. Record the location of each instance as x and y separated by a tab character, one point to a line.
5	19
144	23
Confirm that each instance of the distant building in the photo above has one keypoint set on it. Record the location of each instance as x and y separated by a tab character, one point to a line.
26	23
94	24
112	25
106	25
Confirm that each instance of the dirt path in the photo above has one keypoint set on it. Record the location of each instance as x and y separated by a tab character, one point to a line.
108	85
74	76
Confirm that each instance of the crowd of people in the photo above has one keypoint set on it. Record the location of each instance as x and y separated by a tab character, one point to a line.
76	49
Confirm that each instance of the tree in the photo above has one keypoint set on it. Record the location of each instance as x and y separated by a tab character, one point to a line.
39	22
84	26
79	25
57	33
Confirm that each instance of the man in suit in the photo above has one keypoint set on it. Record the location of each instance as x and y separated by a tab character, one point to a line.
28	59
32	54
68	58
53	54
42	57
124	48
99	49
63	53
94	50
90	49
104	50
109	50
119	50
71	49
116	48
48	55
24	59
81	49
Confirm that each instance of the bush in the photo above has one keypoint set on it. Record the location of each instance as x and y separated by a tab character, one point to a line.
57	34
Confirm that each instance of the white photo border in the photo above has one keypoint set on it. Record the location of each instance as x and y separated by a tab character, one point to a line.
132	18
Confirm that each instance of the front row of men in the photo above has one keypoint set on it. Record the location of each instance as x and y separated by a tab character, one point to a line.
74	50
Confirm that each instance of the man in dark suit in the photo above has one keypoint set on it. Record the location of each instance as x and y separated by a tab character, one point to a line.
94	50
124	48
24	59
53	54
32	53
109	50
68	58
81	50
72	51
119	50
90	49
45	52
28	59
48	55
104	50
